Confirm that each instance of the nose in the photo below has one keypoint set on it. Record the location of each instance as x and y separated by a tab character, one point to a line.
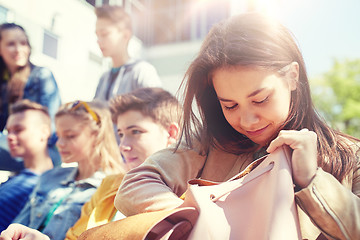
11	136
18	47
248	118
60	142
124	145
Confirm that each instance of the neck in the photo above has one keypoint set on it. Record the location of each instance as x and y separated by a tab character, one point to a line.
12	70
38	163
120	60
15	69
87	169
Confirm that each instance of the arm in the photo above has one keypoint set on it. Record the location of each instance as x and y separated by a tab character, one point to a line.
331	206
49	94
101	87
24	215
147	75
159	182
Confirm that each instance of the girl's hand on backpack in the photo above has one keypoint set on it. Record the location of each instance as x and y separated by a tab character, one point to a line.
304	155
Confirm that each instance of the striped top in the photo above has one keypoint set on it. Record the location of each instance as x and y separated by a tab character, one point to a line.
14	193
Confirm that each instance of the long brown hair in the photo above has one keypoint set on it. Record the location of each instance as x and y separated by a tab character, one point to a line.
252	39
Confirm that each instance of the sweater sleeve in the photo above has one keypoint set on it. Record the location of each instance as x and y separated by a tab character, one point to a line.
158	183
333	208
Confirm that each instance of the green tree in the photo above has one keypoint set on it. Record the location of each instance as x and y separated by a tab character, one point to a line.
336	95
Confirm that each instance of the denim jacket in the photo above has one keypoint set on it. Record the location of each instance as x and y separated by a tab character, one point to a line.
54	185
41	87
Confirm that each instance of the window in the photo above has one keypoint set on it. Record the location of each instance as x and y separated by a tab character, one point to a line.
50	44
3	14
168	21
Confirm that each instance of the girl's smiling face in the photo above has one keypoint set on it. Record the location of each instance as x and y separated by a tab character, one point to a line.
255	102
14	48
75	140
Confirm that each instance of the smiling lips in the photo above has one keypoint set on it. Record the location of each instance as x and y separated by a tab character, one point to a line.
257	132
13	146
130	159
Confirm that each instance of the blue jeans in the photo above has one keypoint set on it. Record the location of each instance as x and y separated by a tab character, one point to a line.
8	163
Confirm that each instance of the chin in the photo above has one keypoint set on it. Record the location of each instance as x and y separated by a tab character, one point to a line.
16	155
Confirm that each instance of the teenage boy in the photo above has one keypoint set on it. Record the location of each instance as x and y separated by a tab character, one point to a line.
147	121
114	31
29	128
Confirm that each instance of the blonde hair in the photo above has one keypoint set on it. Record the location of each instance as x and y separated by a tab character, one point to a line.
106	148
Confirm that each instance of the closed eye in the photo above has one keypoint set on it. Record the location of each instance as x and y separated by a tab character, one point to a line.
262	101
230	107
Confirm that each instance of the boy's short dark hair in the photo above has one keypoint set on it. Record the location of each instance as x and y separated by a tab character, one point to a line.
156	103
114	13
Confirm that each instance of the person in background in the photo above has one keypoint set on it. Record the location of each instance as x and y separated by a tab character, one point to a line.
246	94
28	132
86	137
113	31
147	120
20	79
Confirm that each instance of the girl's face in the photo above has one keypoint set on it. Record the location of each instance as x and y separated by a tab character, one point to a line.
140	137
14	48
76	141
255	102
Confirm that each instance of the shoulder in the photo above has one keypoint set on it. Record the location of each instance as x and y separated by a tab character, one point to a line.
57	172
41	72
352	143
105	74
141	65
112	181
172	158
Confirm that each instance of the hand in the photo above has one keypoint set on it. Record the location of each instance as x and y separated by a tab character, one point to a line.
304	155
17	231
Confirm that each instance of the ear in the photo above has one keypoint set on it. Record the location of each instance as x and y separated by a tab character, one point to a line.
127	34
293	75
174	133
46	132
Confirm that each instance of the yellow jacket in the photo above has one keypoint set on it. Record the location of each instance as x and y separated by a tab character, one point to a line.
100	209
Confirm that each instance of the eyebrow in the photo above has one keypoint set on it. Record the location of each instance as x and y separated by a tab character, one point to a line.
248	96
129	127
255	92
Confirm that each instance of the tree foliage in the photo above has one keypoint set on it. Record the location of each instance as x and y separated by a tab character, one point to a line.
336	95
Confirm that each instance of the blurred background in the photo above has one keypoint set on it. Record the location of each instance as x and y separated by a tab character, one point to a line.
168	34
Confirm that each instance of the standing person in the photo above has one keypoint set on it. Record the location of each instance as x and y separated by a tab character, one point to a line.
86	137
147	120
250	86
20	79
114	30
28	132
